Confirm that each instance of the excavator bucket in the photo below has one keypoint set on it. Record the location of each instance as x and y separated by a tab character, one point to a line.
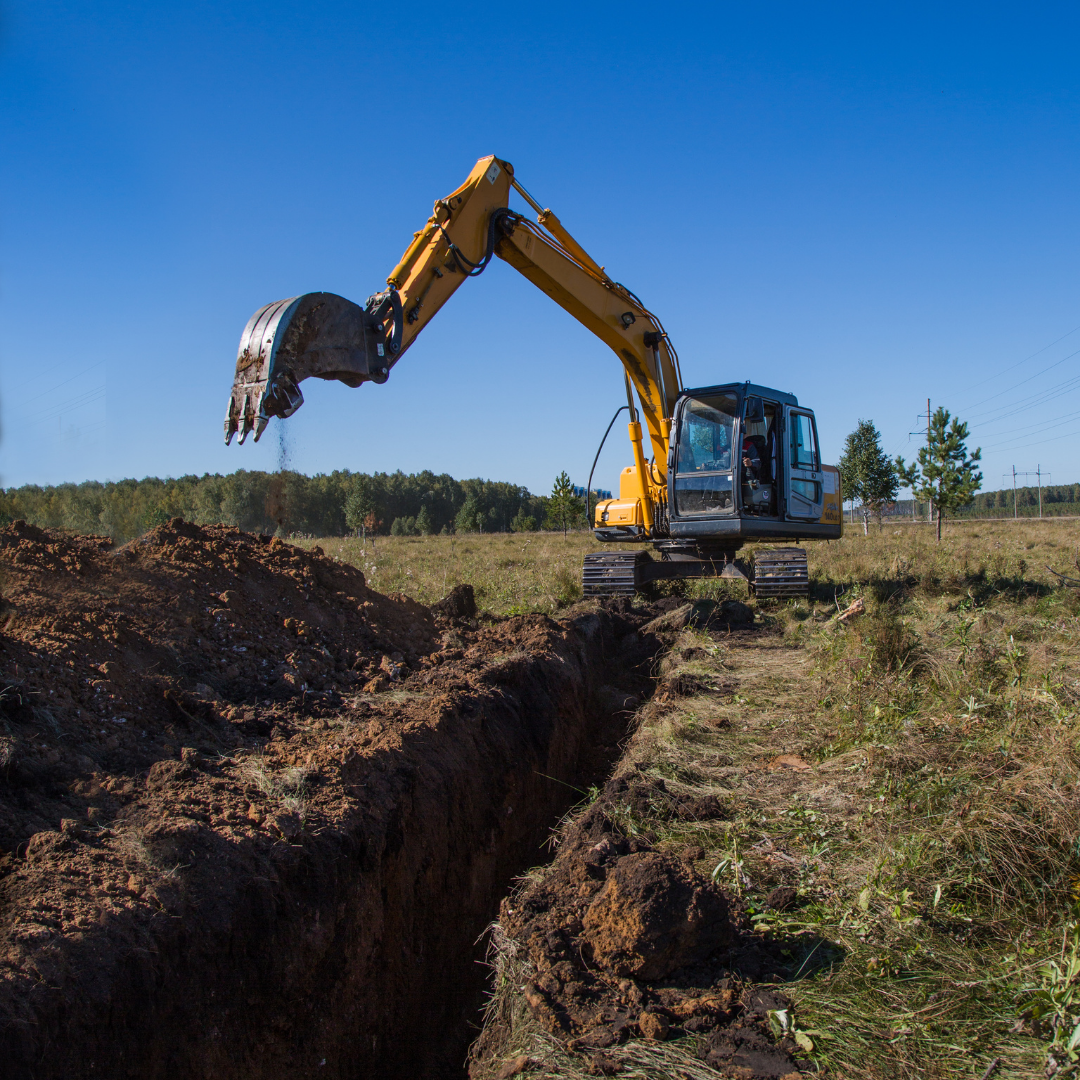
317	334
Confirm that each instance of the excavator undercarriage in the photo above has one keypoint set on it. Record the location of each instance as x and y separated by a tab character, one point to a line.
774	573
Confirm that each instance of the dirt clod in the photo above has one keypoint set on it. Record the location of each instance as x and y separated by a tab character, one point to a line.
459	603
653	1026
652	916
782	898
514	1067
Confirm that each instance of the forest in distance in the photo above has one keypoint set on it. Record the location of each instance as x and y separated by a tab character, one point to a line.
343	502
282	503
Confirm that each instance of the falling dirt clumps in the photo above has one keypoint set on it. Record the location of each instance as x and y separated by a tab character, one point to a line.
621	940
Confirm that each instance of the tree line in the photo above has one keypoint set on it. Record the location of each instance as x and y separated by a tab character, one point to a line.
285	503
1056	499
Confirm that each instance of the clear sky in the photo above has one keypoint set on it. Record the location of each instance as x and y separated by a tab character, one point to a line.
863	207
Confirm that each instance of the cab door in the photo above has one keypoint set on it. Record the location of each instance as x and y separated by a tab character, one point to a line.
803	478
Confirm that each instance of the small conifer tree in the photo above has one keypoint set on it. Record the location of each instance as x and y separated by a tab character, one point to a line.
866	473
944	472
424	525
563	507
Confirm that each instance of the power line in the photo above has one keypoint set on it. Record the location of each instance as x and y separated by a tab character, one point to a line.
1056	421
85	371
1030	402
1012	367
70	405
1009	389
1041	442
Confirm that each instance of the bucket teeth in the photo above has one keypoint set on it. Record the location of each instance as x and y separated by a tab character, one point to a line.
317	334
231	424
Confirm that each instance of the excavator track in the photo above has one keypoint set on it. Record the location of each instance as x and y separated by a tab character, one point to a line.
780	572
612	573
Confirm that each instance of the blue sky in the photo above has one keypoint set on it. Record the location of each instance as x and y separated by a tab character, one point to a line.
865	208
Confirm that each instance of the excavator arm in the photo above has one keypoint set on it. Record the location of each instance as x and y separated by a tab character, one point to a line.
326	336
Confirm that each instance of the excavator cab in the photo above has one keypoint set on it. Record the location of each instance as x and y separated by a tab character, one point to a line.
773	486
743	465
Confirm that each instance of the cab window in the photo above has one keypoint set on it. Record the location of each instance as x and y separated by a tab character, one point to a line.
703	482
705	445
803	444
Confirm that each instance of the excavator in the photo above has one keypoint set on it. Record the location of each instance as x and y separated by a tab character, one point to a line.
729	464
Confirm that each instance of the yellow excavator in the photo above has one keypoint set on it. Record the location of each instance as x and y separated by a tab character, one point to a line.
729	463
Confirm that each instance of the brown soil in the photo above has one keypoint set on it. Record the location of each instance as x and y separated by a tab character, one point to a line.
254	816
626	941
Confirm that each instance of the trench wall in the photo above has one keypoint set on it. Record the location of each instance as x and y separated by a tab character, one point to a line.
356	954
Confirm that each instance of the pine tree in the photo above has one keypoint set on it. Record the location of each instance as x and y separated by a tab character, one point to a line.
564	507
944	472
866	473
424	524
469	518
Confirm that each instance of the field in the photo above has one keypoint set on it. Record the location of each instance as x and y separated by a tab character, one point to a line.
912	776
234	769
518	572
512	573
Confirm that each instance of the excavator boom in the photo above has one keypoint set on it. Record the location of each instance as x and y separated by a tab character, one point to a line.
325	336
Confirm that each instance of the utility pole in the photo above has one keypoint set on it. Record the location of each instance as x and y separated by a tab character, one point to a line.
914	500
1037	473
930	504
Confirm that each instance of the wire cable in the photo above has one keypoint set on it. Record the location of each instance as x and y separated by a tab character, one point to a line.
1041	442
1023	381
85	371
1012	367
1033	400
588	486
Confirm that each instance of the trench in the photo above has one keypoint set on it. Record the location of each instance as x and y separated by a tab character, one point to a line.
362	954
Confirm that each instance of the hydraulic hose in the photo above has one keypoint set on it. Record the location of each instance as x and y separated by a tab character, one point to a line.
588	487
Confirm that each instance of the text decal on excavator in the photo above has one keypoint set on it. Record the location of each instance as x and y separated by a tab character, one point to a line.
493	173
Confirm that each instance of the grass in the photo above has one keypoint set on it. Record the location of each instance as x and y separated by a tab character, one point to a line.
512	573
285	788
933	836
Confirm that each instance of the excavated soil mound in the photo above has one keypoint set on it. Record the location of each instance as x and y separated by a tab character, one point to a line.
254	815
626	941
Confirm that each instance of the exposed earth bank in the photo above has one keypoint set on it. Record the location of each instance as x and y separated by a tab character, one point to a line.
254	816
